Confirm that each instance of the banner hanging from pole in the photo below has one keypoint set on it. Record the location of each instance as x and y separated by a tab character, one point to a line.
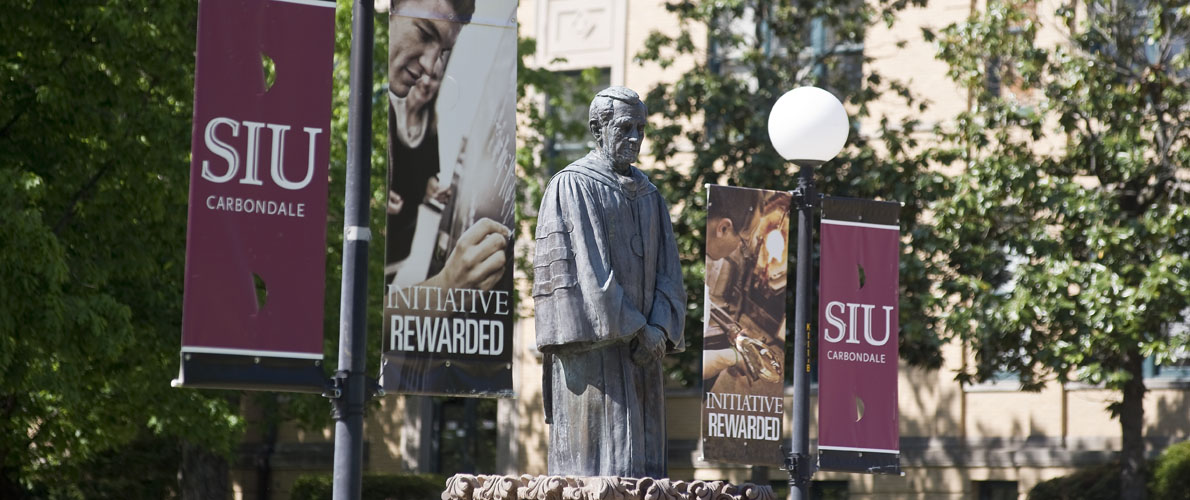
448	278
743	361
256	238
857	342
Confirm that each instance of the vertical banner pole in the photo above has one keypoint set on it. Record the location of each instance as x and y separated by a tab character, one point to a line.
800	467
351	394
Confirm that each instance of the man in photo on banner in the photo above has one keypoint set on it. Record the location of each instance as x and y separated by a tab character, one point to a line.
422	35
729	213
745	262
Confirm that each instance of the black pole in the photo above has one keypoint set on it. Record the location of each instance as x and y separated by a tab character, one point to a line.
800	466
351	386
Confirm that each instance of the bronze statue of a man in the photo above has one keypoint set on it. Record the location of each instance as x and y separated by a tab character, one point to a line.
609	302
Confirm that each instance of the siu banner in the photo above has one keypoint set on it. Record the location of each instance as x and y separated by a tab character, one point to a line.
451	94
744	325
857	341
256	239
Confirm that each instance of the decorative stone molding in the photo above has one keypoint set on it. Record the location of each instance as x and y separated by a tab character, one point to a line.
526	487
580	34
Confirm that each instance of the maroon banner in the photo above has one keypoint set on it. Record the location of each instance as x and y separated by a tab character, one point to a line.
743	360
857	341
256	241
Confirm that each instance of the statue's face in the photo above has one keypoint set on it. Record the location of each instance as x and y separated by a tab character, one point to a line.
622	135
418	48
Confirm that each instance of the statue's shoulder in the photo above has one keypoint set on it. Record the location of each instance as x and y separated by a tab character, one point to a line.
589	171
567	182
584	170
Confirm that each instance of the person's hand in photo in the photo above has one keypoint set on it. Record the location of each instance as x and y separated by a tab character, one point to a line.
477	260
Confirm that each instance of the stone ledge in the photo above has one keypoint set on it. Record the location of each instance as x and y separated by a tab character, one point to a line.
526	487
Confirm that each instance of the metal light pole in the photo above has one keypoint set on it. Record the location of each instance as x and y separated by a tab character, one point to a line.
800	471
807	126
350	390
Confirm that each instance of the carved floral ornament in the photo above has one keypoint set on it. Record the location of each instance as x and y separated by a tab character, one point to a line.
526	487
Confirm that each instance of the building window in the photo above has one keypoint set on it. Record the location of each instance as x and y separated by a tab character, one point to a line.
1125	34
1000	381
842	62
1003	380
1001	79
828	490
465	429
571	139
834	57
997	490
1176	368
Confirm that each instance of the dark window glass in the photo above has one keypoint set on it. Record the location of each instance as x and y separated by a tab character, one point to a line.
572	110
465	429
997	490
828	490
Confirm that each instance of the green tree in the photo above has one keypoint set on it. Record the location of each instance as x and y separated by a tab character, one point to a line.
94	142
1069	228
742	68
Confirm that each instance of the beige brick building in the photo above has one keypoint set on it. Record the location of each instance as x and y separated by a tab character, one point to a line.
983	441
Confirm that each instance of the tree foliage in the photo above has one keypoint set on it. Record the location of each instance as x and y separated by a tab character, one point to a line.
711	127
1171	473
1072	254
94	155
1069	227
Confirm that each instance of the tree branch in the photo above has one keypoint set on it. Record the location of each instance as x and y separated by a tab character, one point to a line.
10	405
11	121
29	102
78	197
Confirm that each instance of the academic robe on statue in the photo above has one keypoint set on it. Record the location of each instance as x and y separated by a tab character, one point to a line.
606	265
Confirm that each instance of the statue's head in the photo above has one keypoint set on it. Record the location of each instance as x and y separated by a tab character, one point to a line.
421	36
618	124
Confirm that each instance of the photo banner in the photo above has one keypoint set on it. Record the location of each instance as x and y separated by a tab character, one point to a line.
256	236
743	360
448	279
857	343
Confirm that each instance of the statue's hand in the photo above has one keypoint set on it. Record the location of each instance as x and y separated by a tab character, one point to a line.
648	346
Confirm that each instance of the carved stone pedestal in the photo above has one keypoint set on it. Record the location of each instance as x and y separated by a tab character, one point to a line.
526	487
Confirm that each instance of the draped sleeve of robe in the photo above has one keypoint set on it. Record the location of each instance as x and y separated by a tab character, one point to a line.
605	266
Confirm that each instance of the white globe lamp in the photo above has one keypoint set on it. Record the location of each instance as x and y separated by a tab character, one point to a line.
808	125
